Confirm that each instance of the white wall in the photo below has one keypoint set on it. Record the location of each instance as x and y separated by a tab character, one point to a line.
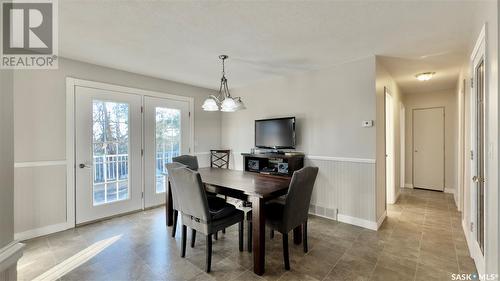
385	80
6	158
448	100
40	136
330	105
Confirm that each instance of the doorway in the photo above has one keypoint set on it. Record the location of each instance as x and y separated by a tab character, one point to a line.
123	138
389	149
428	148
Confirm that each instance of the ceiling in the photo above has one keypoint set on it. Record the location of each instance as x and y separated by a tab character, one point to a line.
181	40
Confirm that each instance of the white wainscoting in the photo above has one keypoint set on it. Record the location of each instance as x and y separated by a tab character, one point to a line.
344	190
203	159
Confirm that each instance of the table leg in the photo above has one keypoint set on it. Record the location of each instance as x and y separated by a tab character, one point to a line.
258	235
297	235
169	211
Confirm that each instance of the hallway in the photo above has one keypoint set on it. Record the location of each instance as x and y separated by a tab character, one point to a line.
421	239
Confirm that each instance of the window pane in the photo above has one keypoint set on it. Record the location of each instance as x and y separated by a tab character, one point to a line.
110	151
167	141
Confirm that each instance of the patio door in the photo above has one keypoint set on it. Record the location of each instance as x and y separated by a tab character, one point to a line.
108	130
166	135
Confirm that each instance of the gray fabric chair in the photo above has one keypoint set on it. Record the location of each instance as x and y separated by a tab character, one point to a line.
214	202
190	161
285	215
196	214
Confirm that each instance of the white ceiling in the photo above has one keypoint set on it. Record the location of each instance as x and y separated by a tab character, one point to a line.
181	40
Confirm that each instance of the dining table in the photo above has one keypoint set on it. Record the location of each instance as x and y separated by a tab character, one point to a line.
250	187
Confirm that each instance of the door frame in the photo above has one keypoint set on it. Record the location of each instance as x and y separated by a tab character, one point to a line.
478	54
413	144
390	196
71	84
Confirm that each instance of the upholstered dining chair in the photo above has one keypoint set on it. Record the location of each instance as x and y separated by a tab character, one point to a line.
214	202
285	215
196	214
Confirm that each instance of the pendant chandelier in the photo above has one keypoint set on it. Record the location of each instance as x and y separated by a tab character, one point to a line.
223	101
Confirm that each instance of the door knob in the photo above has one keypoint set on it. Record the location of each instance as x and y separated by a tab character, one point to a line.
83	166
477	179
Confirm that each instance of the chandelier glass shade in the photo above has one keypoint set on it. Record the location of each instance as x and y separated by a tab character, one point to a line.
223	101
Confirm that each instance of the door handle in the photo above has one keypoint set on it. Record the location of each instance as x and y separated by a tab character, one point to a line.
477	179
84	166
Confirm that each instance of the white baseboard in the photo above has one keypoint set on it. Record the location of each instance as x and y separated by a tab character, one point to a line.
408	185
357	221
49	229
382	218
449	190
473	250
10	254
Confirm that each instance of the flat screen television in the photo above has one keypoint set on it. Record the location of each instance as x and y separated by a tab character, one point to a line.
277	133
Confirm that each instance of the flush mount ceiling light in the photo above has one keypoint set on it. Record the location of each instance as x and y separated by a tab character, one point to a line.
223	101
425	76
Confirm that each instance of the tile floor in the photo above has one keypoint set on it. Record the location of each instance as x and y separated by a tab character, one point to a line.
421	239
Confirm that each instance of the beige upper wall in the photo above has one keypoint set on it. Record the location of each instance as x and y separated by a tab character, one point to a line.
329	104
448	100
40	133
6	158
40	107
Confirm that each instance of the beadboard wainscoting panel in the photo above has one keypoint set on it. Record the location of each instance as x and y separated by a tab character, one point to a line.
203	159
39	196
346	186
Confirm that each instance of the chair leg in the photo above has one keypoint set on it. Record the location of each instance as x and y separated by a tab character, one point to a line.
174	226
249	237
183	241
209	253
224	230
216	235
240	235
272	234
304	237
193	237
285	251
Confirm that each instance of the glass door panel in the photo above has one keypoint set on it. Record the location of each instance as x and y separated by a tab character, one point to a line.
167	141
166	135
111	149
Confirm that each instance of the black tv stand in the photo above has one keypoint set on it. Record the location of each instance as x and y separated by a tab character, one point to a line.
267	163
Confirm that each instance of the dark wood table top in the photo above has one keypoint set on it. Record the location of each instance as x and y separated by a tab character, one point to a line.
249	183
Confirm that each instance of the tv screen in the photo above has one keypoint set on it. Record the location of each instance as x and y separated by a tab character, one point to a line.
275	133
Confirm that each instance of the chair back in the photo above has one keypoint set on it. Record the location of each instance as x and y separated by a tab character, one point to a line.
219	158
190	161
170	167
191	196
299	197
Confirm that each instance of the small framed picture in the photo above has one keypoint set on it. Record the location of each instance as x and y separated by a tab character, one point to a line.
283	168
253	165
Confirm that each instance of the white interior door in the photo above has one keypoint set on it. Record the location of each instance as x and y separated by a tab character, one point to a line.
108	131
428	148
389	149
166	135
478	160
